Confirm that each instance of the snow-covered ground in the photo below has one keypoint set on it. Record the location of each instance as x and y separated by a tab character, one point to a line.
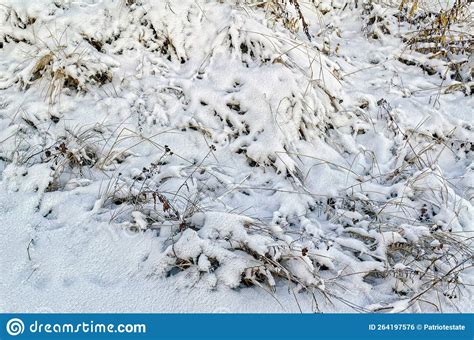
206	156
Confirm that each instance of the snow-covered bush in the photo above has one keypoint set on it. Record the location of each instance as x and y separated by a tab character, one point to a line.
230	130
443	32
59	55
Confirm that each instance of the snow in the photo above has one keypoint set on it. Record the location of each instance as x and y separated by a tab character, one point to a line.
206	156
